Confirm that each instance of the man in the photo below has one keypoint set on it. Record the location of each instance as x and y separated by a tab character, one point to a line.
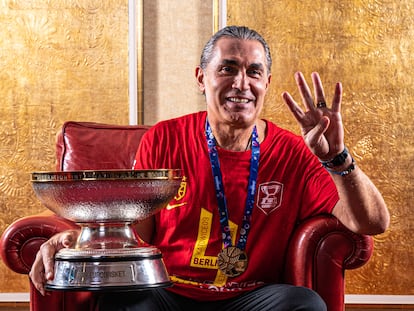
247	184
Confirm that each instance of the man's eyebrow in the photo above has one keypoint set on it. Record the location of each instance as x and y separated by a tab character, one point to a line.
232	62
229	62
258	66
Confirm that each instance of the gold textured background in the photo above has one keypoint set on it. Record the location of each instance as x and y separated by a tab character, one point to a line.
59	60
368	45
67	59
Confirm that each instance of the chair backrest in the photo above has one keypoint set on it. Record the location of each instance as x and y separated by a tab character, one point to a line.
96	146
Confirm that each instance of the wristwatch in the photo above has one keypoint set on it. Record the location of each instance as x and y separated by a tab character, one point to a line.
338	160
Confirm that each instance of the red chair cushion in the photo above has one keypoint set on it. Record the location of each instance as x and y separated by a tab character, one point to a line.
81	147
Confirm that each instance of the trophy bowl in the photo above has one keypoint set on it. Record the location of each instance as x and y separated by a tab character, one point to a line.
105	204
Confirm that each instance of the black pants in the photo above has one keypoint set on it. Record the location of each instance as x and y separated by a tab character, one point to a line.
270	297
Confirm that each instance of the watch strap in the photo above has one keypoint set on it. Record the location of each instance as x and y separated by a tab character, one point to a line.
338	160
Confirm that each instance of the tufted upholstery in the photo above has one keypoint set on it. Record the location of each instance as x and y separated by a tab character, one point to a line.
319	253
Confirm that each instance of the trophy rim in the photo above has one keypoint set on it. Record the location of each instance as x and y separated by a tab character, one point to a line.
105	175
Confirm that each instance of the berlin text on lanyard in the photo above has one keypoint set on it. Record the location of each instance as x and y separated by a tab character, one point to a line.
232	260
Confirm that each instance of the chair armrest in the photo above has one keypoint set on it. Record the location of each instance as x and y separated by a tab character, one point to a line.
18	247
320	251
20	242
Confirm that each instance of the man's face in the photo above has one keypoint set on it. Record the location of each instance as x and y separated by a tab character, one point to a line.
235	82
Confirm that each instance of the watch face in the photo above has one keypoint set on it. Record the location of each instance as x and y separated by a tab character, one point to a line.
338	160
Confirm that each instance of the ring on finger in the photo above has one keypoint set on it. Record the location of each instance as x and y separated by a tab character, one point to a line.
321	104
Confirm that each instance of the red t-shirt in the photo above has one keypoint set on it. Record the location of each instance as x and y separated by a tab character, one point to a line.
292	186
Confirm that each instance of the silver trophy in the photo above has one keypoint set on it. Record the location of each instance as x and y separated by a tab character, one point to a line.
108	254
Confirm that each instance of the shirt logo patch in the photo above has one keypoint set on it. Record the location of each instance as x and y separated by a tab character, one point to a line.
182	190
180	195
269	196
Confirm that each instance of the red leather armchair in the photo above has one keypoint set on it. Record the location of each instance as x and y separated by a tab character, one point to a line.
319	253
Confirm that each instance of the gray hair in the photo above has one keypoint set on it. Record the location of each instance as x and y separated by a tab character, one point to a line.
238	32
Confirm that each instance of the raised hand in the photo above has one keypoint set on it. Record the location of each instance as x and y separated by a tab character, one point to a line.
321	126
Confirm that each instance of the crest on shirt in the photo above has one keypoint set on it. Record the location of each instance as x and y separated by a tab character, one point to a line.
180	195
182	190
269	196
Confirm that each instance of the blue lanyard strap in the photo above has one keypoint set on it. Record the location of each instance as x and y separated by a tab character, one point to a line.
221	198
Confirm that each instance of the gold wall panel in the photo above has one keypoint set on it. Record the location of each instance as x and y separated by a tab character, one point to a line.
59	60
368	45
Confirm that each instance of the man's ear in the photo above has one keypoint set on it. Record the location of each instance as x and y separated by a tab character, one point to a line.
269	78
199	73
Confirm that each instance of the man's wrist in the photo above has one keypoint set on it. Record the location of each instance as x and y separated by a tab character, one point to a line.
344	172
340	165
337	161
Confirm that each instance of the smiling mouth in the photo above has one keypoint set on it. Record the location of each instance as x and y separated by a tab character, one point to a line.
238	100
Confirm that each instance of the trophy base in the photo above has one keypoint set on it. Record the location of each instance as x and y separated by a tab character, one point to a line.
124	269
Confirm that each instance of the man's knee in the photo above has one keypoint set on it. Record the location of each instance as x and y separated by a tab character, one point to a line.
302	298
288	297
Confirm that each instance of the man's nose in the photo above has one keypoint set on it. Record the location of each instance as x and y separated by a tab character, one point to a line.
241	82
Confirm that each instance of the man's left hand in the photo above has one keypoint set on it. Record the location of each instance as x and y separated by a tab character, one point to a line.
321	125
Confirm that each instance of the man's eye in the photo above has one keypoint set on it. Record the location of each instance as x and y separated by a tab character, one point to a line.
227	69
255	72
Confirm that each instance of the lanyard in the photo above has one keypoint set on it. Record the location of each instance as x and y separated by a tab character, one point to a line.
221	198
